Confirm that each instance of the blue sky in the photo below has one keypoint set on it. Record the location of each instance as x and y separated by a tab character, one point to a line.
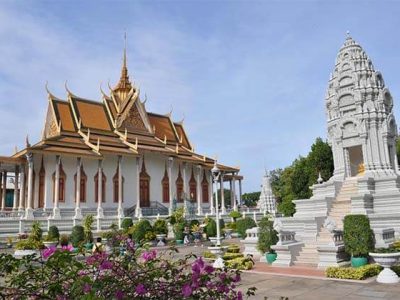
249	76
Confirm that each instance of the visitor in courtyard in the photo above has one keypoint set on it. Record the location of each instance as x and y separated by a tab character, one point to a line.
98	246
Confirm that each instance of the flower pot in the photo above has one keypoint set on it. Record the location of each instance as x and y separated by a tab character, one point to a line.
160	238
357	262
228	233
22	253
179	242
386	260
49	244
270	257
214	239
88	246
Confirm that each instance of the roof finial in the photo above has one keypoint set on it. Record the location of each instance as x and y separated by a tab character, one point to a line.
124	84
125	51
348	33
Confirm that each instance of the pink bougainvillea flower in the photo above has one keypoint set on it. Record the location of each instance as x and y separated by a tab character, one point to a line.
106	265
87	288
239	295
186	290
119	295
236	278
209	269
69	248
140	289
49	252
149	255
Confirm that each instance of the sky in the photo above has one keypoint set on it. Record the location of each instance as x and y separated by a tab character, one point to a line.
248	77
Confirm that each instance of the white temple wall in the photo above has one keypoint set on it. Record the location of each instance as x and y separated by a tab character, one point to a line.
155	167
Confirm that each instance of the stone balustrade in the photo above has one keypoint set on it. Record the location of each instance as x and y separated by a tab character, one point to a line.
384	237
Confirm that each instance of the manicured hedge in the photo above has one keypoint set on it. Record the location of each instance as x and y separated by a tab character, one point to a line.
353	273
357	235
243	224
53	233
241	263
126	223
77	235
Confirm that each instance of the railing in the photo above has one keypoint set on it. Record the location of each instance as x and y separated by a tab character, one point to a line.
286	237
338	237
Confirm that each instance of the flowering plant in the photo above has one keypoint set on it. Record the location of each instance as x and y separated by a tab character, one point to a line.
138	274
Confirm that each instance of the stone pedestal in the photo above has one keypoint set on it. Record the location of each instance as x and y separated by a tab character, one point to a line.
250	243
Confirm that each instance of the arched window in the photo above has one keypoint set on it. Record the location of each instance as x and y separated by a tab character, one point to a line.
204	188
61	184
103	187
144	187
192	187
82	197
165	186
116	185
42	177
179	186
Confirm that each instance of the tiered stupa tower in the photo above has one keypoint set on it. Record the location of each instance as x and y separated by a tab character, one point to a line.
267	202
362	132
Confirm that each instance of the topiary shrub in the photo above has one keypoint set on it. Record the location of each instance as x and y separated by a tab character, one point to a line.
211	228
77	235
234	214
243	224
53	233
160	227
178	231
87	228
267	236
36	231
140	230
126	223
358	236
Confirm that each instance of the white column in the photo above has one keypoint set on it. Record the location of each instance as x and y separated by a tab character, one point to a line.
234	192
211	185
56	209
22	189
138	211
78	213
223	209
16	181
240	191
171	196
29	204
185	188
217	213
120	208
4	190
199	191
100	212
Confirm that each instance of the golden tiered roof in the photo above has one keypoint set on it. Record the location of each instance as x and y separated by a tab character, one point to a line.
119	125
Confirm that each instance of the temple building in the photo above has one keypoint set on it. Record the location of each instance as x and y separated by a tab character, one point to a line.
362	132
109	158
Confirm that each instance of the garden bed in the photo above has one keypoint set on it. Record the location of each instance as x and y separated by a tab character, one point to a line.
360	273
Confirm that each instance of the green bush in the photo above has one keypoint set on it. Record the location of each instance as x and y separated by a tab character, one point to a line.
396	245
230	256
64	240
126	223
267	236
29	244
233	248
211	228
353	273
160	227
36	231
53	233
140	229
177	216
77	235
358	236
234	214
87	228
231	225
208	254
243	224
241	263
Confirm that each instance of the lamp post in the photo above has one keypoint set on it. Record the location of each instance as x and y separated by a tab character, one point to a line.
218	250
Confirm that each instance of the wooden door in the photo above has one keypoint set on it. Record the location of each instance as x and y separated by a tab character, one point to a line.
144	192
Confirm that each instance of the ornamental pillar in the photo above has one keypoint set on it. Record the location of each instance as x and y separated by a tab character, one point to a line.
120	208
22	189
16	185
56	209
240	191
4	190
138	210
223	209
234	192
185	190
78	213
199	193
171	197
100	212
29	204
211	186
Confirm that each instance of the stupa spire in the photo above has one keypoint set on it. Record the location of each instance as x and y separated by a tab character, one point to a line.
124	83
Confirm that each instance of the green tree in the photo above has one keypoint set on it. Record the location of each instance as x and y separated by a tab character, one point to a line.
320	159
250	199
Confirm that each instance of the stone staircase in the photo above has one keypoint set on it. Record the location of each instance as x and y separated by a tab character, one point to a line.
308	256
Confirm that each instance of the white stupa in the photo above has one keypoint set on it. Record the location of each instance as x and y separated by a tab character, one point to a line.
267	202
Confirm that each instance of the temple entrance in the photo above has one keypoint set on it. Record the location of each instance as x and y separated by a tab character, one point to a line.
356	160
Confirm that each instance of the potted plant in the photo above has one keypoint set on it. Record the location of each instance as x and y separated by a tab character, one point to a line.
9	242
50	241
386	258
54	233
161	229
139	230
64	240
267	237
149	238
27	246
87	229
106	236
358	238
178	231
77	236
